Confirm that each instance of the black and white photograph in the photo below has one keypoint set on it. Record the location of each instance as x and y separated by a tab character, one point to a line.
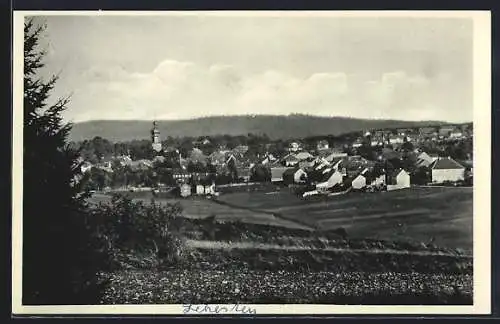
251	162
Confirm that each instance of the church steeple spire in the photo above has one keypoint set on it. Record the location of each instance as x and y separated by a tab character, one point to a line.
155	138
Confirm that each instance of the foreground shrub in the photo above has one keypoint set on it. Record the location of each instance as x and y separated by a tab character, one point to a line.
134	228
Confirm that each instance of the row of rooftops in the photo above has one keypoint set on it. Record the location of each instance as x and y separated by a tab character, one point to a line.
352	166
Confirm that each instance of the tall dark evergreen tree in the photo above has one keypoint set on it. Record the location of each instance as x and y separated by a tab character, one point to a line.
61	251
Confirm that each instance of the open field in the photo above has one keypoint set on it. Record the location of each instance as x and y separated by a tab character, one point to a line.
443	216
199	207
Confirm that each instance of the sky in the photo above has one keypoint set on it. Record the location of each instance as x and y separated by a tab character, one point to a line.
182	67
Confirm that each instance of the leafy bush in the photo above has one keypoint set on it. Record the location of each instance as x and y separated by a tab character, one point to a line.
137	228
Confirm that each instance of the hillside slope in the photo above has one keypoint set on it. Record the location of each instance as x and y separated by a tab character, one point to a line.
285	127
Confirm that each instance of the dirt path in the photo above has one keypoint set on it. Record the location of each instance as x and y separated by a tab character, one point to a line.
373	216
253	245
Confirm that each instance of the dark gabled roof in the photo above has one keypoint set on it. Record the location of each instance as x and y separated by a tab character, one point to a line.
344	161
324	153
327	175
367	173
290	171
291	157
303	155
446	164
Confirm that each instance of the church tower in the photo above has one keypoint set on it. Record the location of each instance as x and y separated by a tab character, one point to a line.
155	138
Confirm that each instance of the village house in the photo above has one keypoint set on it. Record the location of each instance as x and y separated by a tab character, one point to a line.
231	158
359	182
299	176
86	167
425	160
331	178
185	190
307	163
320	162
217	158
357	160
445	131
377	180
277	173
394	140
268	158
200	189
303	156
377	141
205	189
322	145
290	160
294	147
200	176
447	169
294	175
397	179
181	175
412	138
340	163
241	149
335	155
456	134
403	131
357	143
368	178
427	131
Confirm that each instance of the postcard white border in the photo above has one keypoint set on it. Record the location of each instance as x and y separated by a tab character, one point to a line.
482	171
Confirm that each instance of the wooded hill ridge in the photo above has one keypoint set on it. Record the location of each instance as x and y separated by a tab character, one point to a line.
274	126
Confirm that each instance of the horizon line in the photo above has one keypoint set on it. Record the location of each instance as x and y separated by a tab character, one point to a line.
271	115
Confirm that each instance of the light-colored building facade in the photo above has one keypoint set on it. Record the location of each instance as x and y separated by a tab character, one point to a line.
447	169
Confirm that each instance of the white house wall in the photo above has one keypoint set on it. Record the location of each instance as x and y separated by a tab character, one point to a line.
334	179
379	181
359	182
297	175
403	180
442	175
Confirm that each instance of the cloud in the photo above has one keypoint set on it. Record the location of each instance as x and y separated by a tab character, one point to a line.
178	89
